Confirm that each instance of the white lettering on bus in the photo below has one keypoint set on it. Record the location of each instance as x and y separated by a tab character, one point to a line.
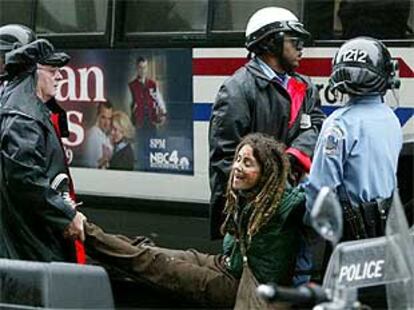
158	143
70	81
357	272
74	120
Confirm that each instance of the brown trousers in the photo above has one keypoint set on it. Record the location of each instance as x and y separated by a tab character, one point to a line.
198	277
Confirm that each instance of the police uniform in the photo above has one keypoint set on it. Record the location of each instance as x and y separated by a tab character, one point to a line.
357	150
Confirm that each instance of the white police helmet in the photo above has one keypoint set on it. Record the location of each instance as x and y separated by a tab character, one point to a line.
272	20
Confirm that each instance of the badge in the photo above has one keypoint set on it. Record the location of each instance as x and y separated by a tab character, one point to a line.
333	137
305	121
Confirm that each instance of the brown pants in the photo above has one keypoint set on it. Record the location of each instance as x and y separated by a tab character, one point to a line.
199	277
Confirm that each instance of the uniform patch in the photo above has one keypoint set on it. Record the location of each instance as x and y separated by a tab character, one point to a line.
333	137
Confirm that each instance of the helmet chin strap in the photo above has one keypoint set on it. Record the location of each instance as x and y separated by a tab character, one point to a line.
396	97
285	65
277	51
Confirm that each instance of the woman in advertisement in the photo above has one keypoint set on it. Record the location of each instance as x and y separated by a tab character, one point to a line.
122	133
261	236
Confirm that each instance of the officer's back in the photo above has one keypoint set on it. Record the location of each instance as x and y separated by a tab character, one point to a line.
372	142
357	151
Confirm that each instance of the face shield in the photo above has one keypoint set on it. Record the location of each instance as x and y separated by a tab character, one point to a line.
298	30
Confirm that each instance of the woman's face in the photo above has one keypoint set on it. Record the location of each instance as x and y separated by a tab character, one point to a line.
117	133
246	169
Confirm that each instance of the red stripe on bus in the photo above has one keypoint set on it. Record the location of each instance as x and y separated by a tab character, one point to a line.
309	66
405	70
315	66
217	66
227	66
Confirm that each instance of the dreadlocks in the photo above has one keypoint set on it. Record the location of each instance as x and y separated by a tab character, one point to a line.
268	191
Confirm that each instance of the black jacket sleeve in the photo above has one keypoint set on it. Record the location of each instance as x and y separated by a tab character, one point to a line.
230	121
23	149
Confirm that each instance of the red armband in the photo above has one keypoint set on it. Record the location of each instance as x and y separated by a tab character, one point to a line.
302	158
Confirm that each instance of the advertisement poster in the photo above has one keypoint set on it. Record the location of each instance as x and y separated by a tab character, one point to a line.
129	109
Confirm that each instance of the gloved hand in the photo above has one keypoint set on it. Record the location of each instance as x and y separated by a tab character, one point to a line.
75	229
69	201
297	171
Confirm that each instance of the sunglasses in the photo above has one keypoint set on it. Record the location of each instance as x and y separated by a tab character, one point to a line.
297	43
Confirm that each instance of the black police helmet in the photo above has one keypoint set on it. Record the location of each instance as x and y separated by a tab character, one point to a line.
14	36
363	66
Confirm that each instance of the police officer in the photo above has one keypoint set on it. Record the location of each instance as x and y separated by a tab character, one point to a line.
357	151
12	36
37	222
266	96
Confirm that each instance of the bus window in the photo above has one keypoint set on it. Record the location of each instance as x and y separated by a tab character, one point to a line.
71	16
345	19
232	15
385	19
155	16
319	19
16	12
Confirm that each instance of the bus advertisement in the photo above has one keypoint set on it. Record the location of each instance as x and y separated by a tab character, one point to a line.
95	77
200	74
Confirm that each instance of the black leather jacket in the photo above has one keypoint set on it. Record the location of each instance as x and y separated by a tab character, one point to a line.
249	102
33	215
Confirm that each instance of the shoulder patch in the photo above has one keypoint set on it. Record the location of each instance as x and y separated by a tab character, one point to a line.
332	138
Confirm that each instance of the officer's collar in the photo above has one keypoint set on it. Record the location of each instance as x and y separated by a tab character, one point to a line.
281	78
265	73
262	79
373	98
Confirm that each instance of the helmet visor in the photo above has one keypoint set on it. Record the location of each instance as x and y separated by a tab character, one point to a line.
5	46
298	29
297	42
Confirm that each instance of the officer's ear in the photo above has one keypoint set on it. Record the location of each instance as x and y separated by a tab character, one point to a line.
273	43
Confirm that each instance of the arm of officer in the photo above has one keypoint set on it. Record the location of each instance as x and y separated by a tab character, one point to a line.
328	162
302	147
229	122
23	150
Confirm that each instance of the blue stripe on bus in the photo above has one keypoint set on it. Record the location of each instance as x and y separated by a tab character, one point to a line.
202	112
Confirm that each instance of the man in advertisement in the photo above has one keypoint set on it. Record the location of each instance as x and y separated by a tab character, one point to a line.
266	96
37	222
148	110
99	148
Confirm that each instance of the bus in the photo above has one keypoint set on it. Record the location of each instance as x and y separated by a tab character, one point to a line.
189	47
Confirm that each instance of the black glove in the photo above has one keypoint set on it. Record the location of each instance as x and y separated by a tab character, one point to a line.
296	170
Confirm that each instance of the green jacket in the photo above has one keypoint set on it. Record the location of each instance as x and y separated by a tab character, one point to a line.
273	249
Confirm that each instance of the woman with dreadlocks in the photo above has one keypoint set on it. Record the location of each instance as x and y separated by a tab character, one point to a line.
261	230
